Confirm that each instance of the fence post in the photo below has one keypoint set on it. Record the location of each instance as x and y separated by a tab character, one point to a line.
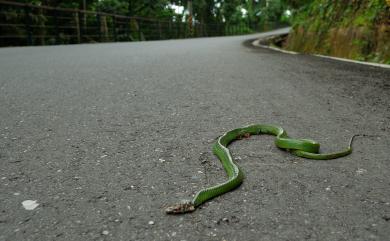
76	19
27	12
127	29
99	26
82	28
57	34
159	30
170	29
178	29
104	28
114	27
139	30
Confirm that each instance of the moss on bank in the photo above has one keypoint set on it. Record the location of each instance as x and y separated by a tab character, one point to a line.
355	29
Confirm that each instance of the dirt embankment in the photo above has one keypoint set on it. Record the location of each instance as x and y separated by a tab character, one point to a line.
358	29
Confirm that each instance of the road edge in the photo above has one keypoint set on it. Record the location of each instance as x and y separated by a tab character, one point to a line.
256	43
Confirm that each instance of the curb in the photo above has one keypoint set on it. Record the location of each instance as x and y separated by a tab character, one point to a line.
257	43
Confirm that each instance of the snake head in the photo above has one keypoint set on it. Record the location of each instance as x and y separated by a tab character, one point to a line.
183	207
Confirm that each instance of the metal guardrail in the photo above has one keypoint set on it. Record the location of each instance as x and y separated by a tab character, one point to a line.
28	24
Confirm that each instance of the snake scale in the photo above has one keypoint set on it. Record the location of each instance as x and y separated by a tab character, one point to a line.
300	147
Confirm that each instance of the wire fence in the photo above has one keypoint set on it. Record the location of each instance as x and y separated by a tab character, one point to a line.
28	24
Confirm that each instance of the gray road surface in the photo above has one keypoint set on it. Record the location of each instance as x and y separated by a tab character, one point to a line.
103	136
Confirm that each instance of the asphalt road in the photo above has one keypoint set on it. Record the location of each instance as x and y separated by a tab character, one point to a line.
103	136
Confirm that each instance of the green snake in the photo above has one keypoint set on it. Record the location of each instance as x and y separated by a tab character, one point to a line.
300	147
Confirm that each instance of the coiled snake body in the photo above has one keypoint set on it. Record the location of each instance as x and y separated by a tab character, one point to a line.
299	147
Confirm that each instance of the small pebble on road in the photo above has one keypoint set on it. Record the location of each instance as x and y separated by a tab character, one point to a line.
30	204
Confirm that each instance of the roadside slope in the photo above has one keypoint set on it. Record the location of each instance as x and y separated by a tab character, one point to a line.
358	30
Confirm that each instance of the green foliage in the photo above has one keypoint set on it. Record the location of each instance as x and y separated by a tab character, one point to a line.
112	6
344	28
273	11
232	12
